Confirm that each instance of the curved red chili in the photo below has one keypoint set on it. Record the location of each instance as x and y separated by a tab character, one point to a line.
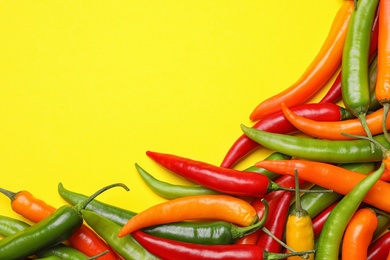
171	249
277	123
276	223
225	180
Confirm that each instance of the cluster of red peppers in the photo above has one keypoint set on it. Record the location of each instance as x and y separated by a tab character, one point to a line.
313	198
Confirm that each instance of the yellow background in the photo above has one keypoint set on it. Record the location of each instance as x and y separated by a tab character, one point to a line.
87	87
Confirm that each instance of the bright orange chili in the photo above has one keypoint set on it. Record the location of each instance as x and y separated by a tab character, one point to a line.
333	130
331	177
382	89
85	240
321	69
221	207
358	235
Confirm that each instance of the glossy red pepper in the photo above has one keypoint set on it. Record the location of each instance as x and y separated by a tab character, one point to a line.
319	220
380	248
277	123
225	180
171	249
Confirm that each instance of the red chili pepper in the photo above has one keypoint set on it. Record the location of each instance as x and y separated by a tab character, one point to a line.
277	123
334	93
170	249
276	224
319	220
33	209
380	248
225	180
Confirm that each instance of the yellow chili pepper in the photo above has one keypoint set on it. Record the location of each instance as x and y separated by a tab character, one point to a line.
299	227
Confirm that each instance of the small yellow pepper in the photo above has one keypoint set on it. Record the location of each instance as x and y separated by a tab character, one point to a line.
299	227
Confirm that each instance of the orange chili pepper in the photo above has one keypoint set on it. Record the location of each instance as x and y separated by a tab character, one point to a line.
85	240
334	130
221	207
358	234
382	89
331	177
321	69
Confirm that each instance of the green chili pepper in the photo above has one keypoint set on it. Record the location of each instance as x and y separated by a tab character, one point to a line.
207	233
355	62
331	151
115	214
171	191
269	174
125	246
10	226
315	203
328	243
51	231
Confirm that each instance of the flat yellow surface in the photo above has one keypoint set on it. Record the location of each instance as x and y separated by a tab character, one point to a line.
87	87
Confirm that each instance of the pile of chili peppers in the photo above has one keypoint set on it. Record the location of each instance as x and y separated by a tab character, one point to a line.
322	194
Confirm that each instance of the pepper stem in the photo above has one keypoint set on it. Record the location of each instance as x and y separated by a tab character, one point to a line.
385	113
274	187
80	206
362	118
11	195
265	230
239	232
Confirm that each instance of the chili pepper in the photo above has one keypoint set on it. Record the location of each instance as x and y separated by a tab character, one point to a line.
54	229
318	72
35	210
332	151
171	191
319	220
115	214
10	226
299	227
333	130
220	207
328	243
332	177
380	248
224	180
355	84
358	234
214	233
382	89
334	93
277	123
171	249
126	246
315	203
276	225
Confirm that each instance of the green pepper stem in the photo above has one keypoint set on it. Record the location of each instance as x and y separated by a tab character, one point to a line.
274	187
386	106
362	118
265	230
80	206
372	140
11	195
238	232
